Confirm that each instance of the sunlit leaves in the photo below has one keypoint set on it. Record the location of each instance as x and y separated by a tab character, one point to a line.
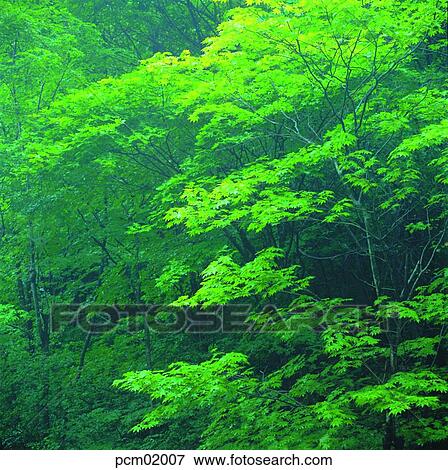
225	281
404	391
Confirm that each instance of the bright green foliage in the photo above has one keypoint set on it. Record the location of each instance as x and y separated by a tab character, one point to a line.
332	395
225	281
288	155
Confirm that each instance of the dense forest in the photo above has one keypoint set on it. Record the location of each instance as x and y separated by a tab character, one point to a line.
259	188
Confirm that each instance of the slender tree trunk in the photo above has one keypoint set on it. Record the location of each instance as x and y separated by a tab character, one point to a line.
371	252
135	272
82	359
41	319
42	325
391	439
148	345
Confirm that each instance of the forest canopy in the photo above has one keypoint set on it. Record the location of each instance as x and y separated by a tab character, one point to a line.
282	159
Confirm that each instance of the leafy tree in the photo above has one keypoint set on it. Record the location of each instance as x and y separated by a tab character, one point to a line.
289	155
